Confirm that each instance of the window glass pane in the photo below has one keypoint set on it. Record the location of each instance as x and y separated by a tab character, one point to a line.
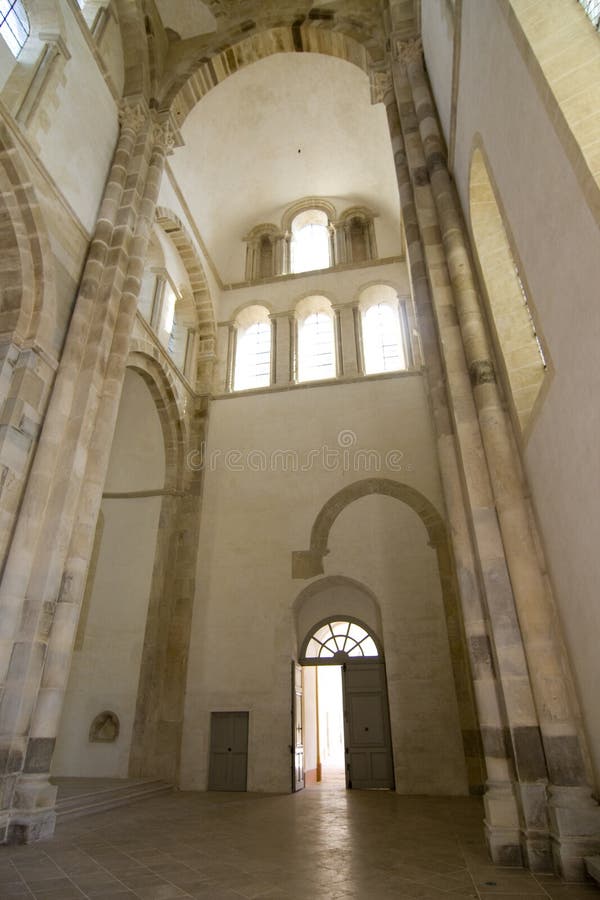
310	248
357	632
313	649
368	647
14	24
253	357
316	348
592	8
341	636
382	339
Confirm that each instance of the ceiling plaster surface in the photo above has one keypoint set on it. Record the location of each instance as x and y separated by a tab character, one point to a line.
287	127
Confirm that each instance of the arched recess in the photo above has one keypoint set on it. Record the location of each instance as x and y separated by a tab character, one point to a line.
206	71
106	663
335	595
309	563
510	312
144	359
175	229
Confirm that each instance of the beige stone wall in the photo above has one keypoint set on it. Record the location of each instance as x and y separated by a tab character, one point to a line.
241	642
554	233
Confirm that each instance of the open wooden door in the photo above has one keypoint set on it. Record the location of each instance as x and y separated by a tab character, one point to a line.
297	745
367	726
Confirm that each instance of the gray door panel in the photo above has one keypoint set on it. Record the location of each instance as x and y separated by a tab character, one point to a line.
367	726
228	751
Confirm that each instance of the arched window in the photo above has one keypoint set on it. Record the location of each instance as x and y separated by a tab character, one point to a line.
316	339
311	246
336	641
592	8
383	339
253	349
14	24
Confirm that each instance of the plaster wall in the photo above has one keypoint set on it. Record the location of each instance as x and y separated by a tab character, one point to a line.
257	512
437	24
80	115
556	243
105	670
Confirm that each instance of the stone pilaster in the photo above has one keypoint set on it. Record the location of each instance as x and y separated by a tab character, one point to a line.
48	558
282	325
501	807
346	325
551	745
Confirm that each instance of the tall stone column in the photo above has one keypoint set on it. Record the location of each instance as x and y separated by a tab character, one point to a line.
574	815
501	807
282	325
49	555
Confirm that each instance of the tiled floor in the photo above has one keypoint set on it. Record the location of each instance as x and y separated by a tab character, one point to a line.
322	843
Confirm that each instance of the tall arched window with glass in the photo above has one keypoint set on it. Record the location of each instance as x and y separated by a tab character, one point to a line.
311	241
253	349
383	331
14	25
316	339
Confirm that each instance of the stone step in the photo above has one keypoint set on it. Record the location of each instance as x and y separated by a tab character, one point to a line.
592	865
101	798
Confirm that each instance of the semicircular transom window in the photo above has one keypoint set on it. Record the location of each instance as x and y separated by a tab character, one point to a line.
339	640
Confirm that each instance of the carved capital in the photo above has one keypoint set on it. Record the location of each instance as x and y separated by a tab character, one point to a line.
381	84
132	115
163	137
408	52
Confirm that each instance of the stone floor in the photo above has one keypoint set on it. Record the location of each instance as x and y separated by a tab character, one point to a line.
320	844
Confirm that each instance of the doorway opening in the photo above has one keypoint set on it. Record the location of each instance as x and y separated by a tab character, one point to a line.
340	714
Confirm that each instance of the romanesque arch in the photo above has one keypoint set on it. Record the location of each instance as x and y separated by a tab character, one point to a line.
176	231
298	36
308	563
145	360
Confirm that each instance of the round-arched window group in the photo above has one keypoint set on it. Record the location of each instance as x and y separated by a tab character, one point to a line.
381	323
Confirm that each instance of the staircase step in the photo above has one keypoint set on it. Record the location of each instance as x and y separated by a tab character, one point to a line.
102	799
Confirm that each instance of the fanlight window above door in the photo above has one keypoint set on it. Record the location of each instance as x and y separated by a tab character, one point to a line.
337	641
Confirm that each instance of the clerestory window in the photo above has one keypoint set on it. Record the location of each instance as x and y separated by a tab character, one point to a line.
316	339
311	245
253	349
14	25
592	9
384	345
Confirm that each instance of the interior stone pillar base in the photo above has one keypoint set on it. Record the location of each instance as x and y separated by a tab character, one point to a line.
535	837
574	829
34	818
502	825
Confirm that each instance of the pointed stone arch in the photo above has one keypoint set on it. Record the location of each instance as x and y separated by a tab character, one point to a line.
172	225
